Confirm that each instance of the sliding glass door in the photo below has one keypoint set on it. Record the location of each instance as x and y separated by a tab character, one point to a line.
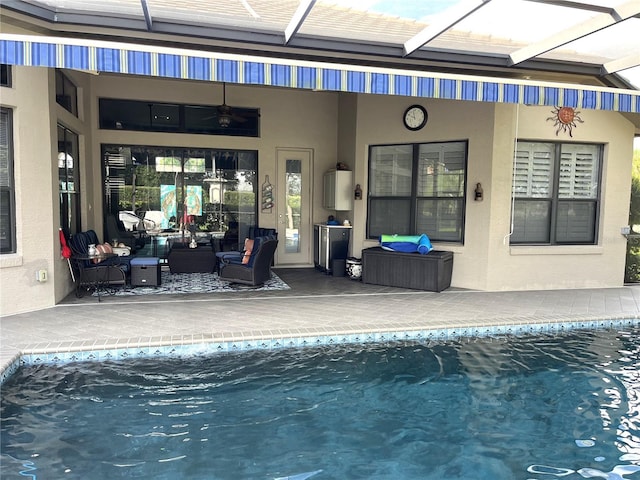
165	190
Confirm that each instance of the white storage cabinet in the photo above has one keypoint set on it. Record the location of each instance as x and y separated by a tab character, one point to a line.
338	190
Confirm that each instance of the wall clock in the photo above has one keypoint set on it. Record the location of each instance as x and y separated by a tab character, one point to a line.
415	117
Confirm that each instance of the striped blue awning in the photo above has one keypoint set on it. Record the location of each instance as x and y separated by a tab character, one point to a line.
136	59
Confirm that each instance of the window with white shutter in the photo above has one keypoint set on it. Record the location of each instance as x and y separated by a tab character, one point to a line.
556	193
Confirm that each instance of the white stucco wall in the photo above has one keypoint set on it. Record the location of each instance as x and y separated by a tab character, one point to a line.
34	176
380	122
486	261
35	119
347	146
543	267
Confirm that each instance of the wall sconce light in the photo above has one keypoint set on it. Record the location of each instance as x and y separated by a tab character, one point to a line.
358	192
478	192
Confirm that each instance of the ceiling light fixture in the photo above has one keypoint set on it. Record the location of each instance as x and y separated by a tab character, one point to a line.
224	111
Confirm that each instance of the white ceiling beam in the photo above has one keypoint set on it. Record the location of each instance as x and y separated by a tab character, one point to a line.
599	22
443	22
147	16
298	19
622	63
578	4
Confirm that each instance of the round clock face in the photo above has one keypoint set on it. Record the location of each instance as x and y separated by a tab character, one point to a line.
415	117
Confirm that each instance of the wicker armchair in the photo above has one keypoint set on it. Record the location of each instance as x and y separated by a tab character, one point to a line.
258	268
90	276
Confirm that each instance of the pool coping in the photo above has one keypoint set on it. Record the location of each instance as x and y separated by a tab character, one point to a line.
207	344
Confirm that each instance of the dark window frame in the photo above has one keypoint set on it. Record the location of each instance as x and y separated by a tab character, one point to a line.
69	179
414	198
116	193
6	77
7	187
146	116
553	200
66	93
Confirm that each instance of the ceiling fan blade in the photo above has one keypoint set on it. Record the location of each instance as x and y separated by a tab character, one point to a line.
238	118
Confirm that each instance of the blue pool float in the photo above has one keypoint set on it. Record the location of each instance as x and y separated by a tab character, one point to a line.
406	243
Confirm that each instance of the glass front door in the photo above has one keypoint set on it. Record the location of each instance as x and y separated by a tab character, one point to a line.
173	193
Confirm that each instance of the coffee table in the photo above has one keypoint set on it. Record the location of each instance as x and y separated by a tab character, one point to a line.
183	259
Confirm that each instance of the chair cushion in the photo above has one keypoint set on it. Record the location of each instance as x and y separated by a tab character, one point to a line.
101	249
248	249
229	257
256	247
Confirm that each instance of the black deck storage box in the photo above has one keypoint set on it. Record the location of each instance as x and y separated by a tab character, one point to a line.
407	270
145	271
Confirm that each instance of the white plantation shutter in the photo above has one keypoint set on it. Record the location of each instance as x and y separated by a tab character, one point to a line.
578	172
533	176
116	160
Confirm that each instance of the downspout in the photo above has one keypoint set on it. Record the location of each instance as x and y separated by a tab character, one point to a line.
513	175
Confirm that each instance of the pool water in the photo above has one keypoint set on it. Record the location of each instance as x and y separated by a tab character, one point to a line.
536	407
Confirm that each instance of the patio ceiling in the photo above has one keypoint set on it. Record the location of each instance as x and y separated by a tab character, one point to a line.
583	43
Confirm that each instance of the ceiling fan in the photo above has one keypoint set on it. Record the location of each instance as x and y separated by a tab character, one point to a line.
225	114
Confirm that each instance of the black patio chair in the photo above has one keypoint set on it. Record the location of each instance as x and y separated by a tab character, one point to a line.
95	273
115	229
257	270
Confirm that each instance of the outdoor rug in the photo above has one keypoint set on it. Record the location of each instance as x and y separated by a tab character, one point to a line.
175	283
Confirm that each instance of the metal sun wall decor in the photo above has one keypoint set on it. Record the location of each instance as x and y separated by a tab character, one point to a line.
565	119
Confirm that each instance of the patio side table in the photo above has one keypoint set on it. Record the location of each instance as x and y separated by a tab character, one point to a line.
145	271
183	259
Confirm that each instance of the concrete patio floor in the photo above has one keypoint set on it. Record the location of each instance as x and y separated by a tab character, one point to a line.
316	304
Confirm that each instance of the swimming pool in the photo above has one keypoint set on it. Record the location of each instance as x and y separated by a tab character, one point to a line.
530	407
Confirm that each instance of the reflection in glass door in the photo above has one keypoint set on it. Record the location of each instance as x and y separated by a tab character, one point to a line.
173	193
68	180
294	207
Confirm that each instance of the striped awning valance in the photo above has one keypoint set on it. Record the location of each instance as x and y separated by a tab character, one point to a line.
102	56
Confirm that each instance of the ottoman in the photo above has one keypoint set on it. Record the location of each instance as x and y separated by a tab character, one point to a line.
183	259
145	271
